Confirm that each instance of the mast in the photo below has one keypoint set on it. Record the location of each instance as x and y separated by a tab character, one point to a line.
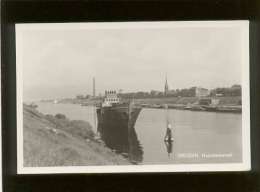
166	114
94	106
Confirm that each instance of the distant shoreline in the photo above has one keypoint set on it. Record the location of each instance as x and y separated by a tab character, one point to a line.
231	104
228	104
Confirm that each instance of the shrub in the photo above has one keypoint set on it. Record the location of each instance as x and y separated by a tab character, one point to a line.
81	128
60	116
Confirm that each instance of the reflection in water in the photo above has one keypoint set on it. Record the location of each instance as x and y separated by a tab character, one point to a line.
168	145
135	148
123	141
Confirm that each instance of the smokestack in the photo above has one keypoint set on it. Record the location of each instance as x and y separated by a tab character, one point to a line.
94	87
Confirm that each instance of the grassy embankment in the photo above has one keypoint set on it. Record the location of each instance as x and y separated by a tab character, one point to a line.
57	141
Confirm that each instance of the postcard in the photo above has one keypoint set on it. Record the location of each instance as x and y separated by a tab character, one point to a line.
122	97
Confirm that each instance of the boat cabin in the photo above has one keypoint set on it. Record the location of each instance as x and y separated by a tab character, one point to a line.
110	98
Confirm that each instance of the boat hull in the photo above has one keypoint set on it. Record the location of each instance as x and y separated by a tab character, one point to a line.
115	124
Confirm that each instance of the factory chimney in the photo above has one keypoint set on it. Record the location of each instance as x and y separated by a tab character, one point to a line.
94	87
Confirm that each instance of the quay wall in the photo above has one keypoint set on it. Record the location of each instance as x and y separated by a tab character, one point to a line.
234	100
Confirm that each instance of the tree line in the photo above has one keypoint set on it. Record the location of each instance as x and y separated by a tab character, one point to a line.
234	90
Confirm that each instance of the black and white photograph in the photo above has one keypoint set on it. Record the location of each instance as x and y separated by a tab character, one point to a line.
120	97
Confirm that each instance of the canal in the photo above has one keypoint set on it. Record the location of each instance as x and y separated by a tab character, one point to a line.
199	137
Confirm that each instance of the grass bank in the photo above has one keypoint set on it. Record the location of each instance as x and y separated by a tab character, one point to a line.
57	141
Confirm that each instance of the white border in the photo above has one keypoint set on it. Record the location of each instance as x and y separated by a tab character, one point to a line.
1	178
244	166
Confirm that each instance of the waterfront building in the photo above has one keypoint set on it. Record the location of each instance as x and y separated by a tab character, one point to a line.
219	94
201	92
155	93
209	101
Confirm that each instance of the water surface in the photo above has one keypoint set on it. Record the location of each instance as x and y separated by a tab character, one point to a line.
199	137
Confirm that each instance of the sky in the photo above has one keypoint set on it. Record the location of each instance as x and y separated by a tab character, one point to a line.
60	62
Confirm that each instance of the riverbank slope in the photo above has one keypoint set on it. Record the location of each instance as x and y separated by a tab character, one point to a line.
57	141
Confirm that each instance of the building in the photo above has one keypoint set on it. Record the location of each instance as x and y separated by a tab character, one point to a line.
155	93
201	92
171	92
209	101
236	86
219	94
